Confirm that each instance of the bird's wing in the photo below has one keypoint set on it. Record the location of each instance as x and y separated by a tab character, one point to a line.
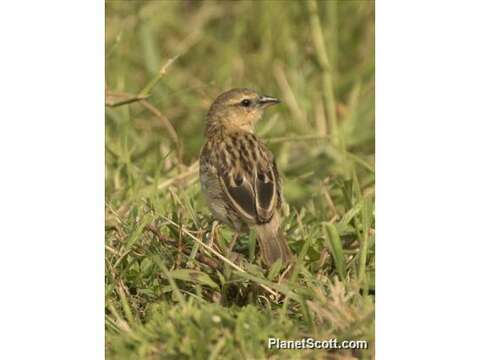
249	178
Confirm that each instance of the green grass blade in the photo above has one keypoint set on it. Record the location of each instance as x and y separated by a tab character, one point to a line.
336	249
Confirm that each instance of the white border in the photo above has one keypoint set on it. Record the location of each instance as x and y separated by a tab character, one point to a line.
427	157
51	182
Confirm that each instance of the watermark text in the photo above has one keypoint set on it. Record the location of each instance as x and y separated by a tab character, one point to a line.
310	343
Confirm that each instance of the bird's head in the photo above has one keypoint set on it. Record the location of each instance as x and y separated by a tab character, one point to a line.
238	109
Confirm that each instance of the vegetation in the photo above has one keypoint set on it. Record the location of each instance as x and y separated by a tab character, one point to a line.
172	292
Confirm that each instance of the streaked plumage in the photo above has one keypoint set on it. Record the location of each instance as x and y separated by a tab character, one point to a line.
238	173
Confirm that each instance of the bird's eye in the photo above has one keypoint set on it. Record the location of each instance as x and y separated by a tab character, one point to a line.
246	102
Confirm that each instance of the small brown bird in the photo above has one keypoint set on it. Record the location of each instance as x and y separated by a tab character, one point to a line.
238	173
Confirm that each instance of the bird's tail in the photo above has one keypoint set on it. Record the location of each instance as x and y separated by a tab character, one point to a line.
273	245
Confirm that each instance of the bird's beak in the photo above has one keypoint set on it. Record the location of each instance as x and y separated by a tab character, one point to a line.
266	101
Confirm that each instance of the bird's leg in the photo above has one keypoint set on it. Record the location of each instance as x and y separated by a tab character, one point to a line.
213	234
233	242
236	257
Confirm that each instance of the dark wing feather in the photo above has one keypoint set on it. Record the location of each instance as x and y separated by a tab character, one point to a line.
278	184
265	195
250	183
242	198
265	190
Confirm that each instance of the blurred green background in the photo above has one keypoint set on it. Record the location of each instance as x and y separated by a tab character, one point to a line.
166	61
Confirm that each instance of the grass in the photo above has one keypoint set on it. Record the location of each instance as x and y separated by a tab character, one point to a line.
169	292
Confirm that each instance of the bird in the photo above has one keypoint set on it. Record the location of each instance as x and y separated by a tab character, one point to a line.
238	173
